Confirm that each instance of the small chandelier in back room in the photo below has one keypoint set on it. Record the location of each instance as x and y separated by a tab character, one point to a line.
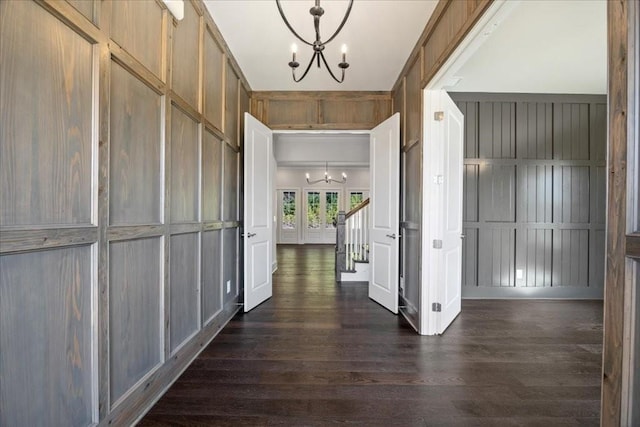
318	45
327	178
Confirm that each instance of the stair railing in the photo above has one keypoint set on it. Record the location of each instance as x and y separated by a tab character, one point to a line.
352	238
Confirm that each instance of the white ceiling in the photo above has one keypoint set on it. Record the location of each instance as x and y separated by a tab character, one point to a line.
541	46
380	35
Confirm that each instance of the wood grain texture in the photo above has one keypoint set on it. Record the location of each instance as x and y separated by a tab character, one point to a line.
135	318
633	245
46	134
318	353
211	177
230	263
230	192
245	107
135	150
231	105
46	338
413	105
85	7
185	58
212	288
185	165
214	64
12	241
184	284
614	297
137	27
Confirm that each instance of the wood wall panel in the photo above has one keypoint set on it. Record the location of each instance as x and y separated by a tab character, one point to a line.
294	112
230	264
534	193
571	194
498	193
135	312
214	63
245	107
46	337
230	195
184	288
399	107
496	259
231	105
185	57
497	130
184	167
534	130
46	136
413	105
84	6
534	257
412	185
137	27
356	111
211	274
470	203
470	112
571	131
571	267
211	177
135	151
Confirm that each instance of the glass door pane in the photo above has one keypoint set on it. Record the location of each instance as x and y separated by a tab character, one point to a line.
355	198
288	210
331	209
313	210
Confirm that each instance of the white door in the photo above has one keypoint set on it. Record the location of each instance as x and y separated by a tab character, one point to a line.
443	177
385	206
258	216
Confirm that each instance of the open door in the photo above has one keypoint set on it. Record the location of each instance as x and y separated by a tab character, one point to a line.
442	243
385	212
258	216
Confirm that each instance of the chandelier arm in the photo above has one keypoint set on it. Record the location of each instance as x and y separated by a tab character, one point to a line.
289	25
293	70
329	69
344	21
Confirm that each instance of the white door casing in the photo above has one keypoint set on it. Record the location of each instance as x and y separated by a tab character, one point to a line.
258	212
442	212
384	147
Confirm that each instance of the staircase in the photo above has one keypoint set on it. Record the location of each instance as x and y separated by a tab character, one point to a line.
352	244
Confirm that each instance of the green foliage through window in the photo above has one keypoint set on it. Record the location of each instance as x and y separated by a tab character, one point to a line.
313	210
288	210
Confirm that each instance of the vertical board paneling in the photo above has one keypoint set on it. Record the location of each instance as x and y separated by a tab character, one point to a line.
137	27
46	338
571	266
211	274
213	80
470	112
470	257
497	185
571	131
599	194
596	264
533	256
497	130
413	105
571	194
230	212
45	119
534	130
184	288
496	260
185	60
135	316
412	190
470	197
211	177
135	151
411	260
231	105
598	132
535	193
229	264
184	167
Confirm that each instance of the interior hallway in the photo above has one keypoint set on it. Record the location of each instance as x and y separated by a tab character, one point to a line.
318	353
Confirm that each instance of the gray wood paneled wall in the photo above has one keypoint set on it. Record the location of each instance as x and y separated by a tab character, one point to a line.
119	210
534	202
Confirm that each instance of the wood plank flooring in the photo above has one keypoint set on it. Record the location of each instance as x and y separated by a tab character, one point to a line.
319	354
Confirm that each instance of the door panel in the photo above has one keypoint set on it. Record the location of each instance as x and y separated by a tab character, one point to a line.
385	206
258	231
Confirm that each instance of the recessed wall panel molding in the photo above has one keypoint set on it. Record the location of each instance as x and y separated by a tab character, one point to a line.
184	288
185	166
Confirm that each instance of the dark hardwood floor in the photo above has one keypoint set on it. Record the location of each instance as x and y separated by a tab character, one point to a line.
320	354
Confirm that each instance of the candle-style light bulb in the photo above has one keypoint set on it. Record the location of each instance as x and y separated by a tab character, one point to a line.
307	175
294	50
344	53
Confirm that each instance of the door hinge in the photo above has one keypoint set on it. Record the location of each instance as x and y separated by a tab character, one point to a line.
438	116
438	179
437	244
437	307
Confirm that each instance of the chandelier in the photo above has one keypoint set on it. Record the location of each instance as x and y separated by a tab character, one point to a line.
327	178
318	45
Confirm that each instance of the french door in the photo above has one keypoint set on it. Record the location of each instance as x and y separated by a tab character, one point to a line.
321	213
288	216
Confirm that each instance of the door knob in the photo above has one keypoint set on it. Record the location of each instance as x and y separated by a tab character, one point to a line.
392	236
249	235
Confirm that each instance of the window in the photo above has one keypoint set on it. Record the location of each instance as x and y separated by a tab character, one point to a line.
331	209
313	209
288	210
355	198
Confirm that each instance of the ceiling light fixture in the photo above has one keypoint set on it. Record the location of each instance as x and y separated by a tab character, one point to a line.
318	45
327	178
